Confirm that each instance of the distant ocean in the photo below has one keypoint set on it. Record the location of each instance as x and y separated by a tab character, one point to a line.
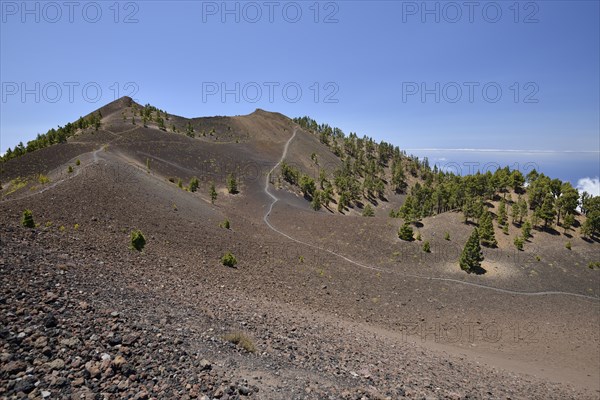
579	168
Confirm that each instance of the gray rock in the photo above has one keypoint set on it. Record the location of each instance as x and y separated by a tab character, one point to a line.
245	391
25	385
57	364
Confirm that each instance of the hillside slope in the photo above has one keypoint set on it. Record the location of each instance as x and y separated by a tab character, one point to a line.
334	303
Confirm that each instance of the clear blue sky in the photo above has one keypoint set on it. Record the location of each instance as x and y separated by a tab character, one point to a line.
373	57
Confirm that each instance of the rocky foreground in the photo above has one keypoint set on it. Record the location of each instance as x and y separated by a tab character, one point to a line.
80	322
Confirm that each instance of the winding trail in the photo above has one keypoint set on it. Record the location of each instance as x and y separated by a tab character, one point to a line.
275	199
71	175
76	171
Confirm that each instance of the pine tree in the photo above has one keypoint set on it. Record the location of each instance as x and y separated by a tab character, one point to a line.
517	180
322	179
568	222
515	212
523	211
307	185
471	256
586	229
232	184
290	174
161	124
526	230
486	230
546	212
398	178
368	211
316	200
567	202
327	196
518	242
502	213
535	220
189	130
27	219
213	193
406	232
342	202
468	208
407	211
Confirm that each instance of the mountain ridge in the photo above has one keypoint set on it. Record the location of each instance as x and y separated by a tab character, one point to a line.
294	284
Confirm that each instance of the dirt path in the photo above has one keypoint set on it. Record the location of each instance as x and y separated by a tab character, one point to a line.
450	280
76	172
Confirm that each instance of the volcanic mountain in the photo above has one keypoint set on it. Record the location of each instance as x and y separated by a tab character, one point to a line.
323	301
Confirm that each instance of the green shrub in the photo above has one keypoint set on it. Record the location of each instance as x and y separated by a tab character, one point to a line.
426	247
406	232
138	241
27	219
419	238
446	236
194	183
70	169
77	162
594	265
229	260
368	211
568	245
519	242
225	224
43	179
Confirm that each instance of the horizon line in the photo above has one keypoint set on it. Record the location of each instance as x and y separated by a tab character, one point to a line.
484	150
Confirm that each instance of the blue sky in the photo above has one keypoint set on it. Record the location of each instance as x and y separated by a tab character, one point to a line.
420	75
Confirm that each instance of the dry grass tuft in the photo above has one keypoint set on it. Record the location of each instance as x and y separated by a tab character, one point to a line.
242	340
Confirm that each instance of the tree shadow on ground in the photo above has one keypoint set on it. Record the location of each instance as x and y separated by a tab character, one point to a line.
551	231
477	270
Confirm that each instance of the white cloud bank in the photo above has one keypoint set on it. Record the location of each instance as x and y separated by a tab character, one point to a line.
590	185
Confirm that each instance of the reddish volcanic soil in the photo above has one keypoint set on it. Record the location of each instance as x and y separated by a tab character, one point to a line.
332	306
